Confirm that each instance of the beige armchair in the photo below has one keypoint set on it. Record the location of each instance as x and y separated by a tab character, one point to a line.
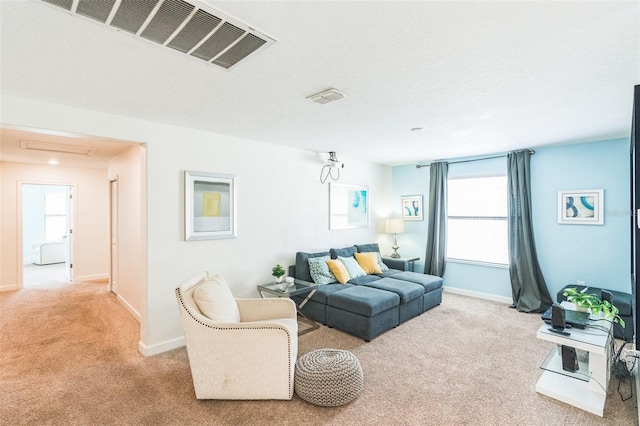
247	351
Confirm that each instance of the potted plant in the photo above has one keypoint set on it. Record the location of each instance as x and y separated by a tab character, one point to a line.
278	271
592	304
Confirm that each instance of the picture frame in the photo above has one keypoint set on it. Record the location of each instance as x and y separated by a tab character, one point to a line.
411	207
581	207
348	206
209	206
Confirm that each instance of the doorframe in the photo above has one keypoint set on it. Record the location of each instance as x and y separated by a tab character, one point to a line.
114	198
73	191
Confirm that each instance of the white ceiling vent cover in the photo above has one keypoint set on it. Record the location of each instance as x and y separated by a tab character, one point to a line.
327	96
54	147
187	27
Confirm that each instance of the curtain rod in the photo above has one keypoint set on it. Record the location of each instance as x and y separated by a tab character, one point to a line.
531	151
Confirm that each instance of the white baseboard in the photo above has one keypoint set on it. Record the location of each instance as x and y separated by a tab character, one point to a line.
10	287
478	295
158	348
93	278
129	308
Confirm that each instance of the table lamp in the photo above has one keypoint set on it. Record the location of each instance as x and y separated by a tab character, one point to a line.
394	226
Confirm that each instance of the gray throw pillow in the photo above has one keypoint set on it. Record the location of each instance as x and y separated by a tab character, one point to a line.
381	264
319	270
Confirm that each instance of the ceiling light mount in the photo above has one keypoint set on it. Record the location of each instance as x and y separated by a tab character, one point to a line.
331	168
56	147
327	96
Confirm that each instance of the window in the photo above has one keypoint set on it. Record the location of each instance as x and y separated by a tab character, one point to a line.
55	215
477	220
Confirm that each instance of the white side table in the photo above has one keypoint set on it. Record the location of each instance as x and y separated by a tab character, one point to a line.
587	387
408	262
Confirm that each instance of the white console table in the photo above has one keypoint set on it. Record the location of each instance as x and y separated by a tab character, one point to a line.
587	387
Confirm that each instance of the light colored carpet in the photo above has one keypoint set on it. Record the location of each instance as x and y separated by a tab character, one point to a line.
69	357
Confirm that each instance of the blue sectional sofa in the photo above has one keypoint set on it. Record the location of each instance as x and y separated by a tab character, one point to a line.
367	306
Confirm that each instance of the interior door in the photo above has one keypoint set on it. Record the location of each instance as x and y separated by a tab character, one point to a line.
68	260
114	235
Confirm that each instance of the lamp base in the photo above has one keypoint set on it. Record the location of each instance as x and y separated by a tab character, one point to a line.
395	253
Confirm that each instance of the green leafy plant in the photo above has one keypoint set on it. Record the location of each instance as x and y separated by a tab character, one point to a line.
593	304
277	271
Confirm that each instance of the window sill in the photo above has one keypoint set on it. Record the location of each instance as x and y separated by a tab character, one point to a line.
479	263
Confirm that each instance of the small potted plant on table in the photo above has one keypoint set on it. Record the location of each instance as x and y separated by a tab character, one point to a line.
592	304
277	271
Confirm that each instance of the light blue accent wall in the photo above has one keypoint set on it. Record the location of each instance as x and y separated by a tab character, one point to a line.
412	181
598	255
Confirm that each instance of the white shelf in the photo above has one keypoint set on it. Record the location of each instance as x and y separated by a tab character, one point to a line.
571	391
587	387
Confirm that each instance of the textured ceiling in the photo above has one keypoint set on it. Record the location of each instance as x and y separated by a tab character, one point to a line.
478	77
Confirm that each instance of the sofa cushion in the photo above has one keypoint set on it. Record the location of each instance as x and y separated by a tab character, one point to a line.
406	290
319	270
352	266
368	262
338	269
344	252
363	300
215	300
302	264
364	279
429	282
365	248
320	296
389	272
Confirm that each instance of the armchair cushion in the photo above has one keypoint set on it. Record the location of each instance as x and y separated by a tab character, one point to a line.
215	300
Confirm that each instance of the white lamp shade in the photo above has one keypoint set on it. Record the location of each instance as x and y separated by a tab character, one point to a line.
394	226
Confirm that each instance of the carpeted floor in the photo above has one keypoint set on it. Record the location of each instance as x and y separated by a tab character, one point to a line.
68	357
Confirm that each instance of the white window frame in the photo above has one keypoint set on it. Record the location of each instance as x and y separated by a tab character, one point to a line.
56	213
478	261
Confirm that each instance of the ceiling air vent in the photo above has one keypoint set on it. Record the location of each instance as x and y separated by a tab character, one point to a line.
187	27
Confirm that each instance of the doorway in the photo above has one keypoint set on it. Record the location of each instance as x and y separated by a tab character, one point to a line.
114	233
46	234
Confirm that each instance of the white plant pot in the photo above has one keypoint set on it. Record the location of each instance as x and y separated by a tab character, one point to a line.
278	280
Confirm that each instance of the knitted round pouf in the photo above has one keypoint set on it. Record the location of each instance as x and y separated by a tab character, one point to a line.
328	377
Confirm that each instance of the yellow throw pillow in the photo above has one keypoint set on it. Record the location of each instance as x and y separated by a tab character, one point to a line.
338	269
368	262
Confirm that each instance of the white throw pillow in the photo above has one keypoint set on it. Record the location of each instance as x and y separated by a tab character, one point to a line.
352	266
215	300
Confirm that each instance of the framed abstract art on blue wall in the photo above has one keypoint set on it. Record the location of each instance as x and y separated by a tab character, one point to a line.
581	207
411	207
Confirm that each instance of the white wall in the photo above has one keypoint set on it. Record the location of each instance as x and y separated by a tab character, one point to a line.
90	233
282	207
129	169
33	215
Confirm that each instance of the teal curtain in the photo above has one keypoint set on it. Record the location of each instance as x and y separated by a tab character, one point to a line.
435	257
529	290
